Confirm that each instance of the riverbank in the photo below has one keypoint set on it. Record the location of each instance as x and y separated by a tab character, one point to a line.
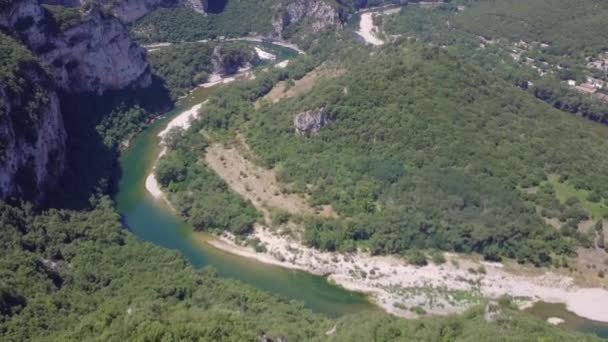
256	39
399	288
183	121
403	289
368	30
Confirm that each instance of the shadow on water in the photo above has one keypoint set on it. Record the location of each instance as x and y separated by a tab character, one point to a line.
91	163
216	6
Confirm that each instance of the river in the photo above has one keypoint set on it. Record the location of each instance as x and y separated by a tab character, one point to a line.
154	222
151	221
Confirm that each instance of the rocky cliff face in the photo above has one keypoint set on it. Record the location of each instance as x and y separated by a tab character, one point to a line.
72	50
316	14
311	122
32	135
94	53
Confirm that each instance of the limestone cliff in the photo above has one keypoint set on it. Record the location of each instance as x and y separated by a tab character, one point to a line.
317	15
32	135
73	50
89	52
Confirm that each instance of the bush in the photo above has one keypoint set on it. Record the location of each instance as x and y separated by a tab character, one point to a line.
594	196
437	257
417	258
279	217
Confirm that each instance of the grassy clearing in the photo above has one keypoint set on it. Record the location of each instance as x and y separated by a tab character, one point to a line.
564	190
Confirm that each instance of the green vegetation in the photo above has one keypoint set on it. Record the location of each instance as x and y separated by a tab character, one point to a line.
26	97
463	32
198	194
239	18
422	157
121	124
569	27
63	17
184	66
425	151
589	200
68	275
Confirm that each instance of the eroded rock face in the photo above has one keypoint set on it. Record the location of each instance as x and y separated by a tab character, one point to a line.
94	54
317	14
311	122
32	150
198	6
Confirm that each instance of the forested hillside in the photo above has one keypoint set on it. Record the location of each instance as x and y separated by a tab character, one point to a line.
418	156
570	27
417	148
535	52
422	156
80	276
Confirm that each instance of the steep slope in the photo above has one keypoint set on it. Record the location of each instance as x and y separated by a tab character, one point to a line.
420	150
277	19
32	136
54	49
84	50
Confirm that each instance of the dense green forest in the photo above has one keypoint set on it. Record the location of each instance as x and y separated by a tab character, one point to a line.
80	276
197	193
425	150
422	157
445	26
570	27
184	66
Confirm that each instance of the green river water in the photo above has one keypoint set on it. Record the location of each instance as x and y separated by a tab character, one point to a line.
154	222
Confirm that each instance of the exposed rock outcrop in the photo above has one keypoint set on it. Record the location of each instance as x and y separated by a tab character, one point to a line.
32	135
95	53
228	61
69	49
311	122
198	6
318	15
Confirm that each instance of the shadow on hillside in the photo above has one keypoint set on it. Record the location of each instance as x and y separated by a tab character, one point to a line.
92	167
216	6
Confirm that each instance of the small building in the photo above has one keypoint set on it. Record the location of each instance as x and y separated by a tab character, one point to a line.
571	83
